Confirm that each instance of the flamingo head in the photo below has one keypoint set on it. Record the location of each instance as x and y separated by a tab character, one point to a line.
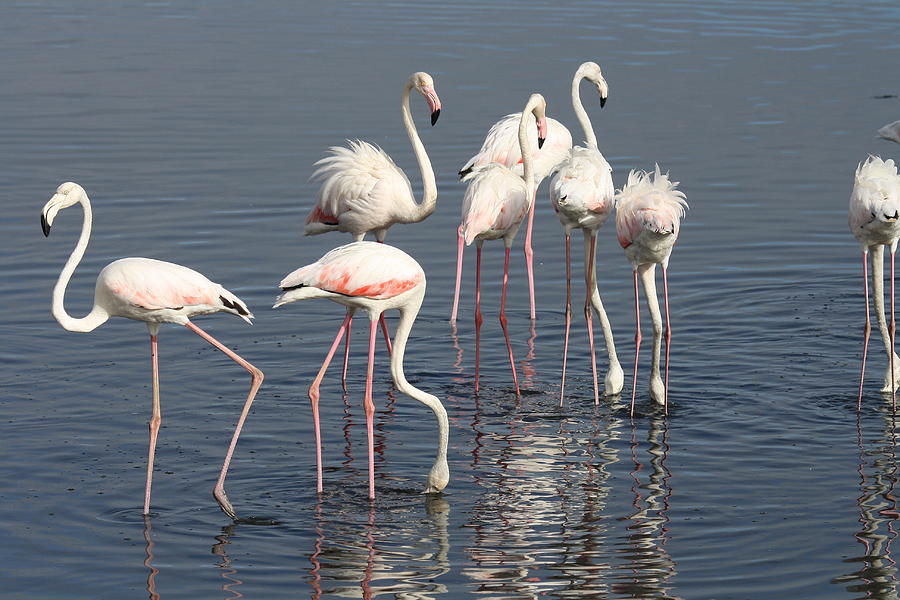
424	84
591	71
538	106
66	195
438	477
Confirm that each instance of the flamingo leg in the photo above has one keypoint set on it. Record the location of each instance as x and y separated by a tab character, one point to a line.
637	339
256	380
155	420
460	242
512	362
313	393
369	407
349	323
893	331
668	336
867	330
387	336
590	252
529	255
478	318
562	387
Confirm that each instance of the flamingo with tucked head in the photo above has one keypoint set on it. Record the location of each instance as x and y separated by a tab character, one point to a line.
154	292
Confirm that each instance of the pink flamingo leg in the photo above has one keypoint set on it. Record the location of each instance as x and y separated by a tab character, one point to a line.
637	339
512	362
893	332
155	420
668	335
256	380
562	387
349	323
588	315
529	255
867	330
387	336
313	393
478	318
460	242
369	407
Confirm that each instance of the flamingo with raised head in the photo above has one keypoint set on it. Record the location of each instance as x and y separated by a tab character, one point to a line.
874	220
363	190
648	218
583	197
502	146
890	132
155	292
495	203
375	278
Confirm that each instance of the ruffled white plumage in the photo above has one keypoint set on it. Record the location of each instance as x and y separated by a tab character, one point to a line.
495	203
582	189
649	210
874	202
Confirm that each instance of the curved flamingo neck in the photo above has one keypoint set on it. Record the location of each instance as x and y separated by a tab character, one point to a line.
429	194
98	315
525	149
583	119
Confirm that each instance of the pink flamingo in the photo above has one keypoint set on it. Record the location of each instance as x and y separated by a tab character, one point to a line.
495	203
502	146
874	220
648	218
375	278
155	292
890	132
364	191
583	197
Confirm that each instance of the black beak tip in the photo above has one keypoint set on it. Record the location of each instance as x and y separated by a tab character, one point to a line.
45	226
434	116
541	142
602	102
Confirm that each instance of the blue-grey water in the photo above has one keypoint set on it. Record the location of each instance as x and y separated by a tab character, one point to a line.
194	126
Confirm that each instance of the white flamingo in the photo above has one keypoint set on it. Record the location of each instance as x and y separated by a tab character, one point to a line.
155	292
496	201
363	190
583	197
502	146
874	219
375	278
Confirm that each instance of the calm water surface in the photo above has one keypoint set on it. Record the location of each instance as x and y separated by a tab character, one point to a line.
193	126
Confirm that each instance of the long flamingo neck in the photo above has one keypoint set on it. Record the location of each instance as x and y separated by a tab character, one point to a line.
429	194
525	149
583	118
97	316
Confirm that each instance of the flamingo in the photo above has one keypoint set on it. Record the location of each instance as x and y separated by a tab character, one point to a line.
874	220
375	278
155	292
890	132
364	191
502	146
583	197
495	203
648	218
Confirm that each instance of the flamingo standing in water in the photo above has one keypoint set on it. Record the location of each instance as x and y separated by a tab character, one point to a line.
502	146
364	191
495	203
648	218
375	278
583	197
874	220
155	292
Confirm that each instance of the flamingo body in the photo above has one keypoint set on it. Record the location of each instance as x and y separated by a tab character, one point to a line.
495	203
582	190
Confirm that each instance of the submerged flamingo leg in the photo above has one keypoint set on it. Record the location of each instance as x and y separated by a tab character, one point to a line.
512	362
313	393
349	323
637	339
369	407
155	419
256	380
867	330
529	256
588	315
668	335
478	318
460	241
562	386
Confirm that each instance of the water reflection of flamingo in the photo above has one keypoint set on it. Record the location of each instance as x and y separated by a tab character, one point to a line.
874	220
648	218
364	191
148	559
155	292
229	572
372	277
495	203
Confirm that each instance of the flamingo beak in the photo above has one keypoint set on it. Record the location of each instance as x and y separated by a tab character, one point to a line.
434	103
45	226
542	131
602	101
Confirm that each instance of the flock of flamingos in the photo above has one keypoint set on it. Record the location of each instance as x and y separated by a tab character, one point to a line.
363	191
